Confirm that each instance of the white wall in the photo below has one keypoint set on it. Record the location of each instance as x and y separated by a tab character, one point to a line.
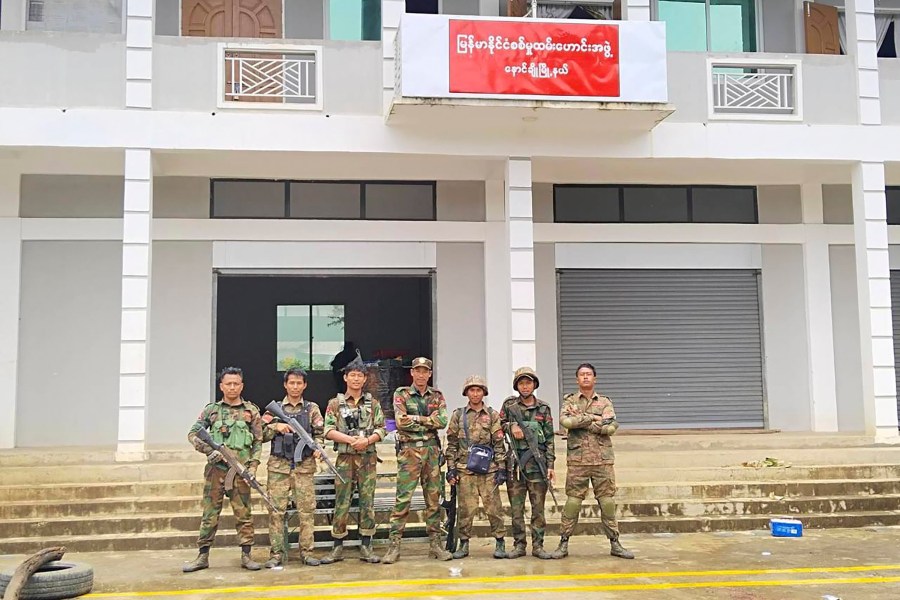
779	204
181	197
180	338
845	319
547	330
784	327
459	340
68	390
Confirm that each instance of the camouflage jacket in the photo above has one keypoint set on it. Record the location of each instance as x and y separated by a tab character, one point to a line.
430	410
278	464
542	418
582	416
367	414
484	429
239	427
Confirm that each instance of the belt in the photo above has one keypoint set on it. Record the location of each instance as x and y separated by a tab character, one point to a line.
419	444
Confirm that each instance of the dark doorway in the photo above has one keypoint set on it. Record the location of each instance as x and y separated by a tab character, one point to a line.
264	323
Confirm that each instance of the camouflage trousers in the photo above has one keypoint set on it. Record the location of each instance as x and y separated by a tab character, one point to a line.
280	487
418	465
516	489
602	478
213	498
358	470
470	488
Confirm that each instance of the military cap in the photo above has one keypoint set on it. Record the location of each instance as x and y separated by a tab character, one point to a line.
475	381
526	372
356	364
421	361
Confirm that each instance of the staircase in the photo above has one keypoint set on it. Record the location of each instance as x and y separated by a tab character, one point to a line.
86	501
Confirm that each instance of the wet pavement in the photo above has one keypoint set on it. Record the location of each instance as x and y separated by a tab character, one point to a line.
842	563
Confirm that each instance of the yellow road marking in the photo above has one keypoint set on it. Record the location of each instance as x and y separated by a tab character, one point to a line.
521	578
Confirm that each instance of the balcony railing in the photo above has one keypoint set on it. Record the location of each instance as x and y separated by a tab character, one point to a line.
271	77
748	89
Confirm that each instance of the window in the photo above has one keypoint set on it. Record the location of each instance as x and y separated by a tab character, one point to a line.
376	200
354	20
89	16
655	204
308	336
709	25
892	196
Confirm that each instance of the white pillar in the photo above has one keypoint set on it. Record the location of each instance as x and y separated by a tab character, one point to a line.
391	10
520	226
873	283
12	16
819	328
862	45
497	290
635	10
139	54
10	277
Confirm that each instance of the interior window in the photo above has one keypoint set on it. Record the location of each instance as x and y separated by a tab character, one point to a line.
354	20
709	25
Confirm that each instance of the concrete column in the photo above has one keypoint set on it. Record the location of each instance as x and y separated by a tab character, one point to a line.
12	17
635	10
390	27
139	54
819	328
873	283
10	273
521	262
861	44
497	291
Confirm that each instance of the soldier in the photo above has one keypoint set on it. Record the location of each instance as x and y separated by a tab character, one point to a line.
420	412
236	423
591	421
480	428
355	423
285	475
535	414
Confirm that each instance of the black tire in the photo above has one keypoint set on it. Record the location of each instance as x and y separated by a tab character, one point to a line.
54	581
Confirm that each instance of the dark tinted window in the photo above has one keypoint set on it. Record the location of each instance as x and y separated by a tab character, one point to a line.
893	205
401	201
313	200
656	205
586	204
248	199
723	205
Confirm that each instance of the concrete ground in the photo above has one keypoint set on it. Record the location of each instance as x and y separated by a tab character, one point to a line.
846	564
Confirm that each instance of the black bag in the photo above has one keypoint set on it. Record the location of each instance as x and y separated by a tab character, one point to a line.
480	457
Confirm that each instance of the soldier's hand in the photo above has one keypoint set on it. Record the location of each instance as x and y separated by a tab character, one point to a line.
359	444
252	469
317	455
517	432
500	477
551	475
214	457
452	476
283	428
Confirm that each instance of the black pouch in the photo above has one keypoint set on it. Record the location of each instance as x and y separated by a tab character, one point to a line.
480	457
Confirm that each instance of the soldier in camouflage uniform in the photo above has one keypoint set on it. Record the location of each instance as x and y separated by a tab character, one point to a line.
355	423
285	475
236	423
481	426
420	411
536	415
590	420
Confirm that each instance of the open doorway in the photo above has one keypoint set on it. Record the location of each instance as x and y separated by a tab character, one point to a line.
267	323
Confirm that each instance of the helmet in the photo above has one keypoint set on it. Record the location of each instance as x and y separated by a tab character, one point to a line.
475	381
526	372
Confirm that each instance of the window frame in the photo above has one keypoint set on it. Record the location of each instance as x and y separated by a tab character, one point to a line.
309	366
758	26
689	189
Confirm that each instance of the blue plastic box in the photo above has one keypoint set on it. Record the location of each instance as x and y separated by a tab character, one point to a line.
786	528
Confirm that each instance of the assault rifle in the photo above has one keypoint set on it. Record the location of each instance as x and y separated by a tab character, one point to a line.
237	467
449	505
306	440
533	452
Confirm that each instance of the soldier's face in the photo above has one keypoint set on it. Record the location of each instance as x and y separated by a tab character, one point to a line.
355	381
585	378
475	395
231	386
420	376
294	386
525	386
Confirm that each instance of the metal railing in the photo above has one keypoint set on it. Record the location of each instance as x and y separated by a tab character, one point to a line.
754	90
265	76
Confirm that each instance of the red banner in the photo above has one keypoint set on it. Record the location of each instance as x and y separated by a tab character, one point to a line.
534	58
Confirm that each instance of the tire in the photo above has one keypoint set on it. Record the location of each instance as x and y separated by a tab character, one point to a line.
55	580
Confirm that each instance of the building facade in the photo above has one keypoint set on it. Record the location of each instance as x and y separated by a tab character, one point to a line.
188	185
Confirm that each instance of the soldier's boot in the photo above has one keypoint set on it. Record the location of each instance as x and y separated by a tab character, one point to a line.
274	561
538	551
562	550
518	550
393	553
463	550
499	548
309	560
366	554
336	554
616	549
435	550
198	564
248	563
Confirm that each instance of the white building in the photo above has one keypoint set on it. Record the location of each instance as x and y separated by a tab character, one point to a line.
721	253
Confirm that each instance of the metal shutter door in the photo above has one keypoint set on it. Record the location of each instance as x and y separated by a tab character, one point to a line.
895	319
672	348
